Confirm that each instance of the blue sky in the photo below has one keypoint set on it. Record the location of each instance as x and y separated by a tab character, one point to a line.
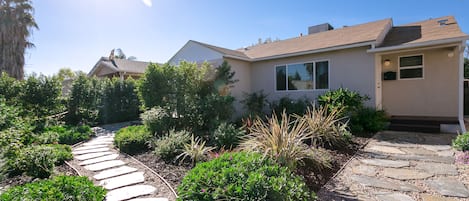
75	34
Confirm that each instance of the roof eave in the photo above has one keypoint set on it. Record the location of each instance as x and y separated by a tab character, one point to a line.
327	49
418	45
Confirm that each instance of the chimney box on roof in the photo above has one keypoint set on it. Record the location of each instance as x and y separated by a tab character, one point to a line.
319	28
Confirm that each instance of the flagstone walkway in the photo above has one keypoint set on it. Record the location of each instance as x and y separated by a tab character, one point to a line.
401	166
123	177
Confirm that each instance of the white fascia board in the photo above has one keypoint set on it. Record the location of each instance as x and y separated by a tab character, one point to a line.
328	49
417	45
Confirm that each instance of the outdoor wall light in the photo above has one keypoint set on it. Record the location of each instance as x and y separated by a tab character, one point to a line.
451	54
387	62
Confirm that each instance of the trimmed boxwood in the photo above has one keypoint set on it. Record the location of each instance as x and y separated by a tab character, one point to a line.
70	188
133	139
242	176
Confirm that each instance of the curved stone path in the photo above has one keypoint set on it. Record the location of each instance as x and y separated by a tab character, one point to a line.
401	166
123	178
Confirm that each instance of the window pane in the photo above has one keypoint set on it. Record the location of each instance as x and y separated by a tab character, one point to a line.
300	77
411	61
411	73
322	75
281	72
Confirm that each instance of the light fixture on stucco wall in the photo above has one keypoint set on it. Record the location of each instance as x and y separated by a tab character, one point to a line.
451	54
387	62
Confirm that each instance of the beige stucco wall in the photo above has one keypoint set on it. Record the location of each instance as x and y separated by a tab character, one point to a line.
434	95
242	71
351	68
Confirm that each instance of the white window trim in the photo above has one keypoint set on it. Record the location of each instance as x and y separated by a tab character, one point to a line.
410	67
314	76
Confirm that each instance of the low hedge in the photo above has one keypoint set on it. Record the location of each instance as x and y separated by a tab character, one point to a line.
71	134
242	176
133	139
71	188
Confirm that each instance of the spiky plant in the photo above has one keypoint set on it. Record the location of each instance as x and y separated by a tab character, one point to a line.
281	139
326	127
196	150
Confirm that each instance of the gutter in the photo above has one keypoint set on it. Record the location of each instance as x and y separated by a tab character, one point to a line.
461	87
417	45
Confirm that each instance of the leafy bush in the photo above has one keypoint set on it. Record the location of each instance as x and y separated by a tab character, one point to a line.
367	120
242	176
40	96
48	137
71	134
255	103
170	146
290	106
9	115
195	150
133	139
156	120
119	101
326	127
85	100
461	142
61	152
227	135
283	140
342	99
35	161
70	188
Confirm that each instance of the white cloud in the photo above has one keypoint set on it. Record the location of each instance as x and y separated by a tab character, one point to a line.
147	3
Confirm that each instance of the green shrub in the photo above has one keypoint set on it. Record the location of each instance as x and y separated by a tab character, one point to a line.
48	137
242	176
195	150
133	139
9	115
255	103
227	135
85	100
343	99
62	152
461	142
170	146
35	161
40	96
290	106
367	120
71	134
119	101
70	188
156	120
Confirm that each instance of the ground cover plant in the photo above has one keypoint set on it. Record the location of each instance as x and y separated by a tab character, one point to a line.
242	176
133	139
58	188
461	142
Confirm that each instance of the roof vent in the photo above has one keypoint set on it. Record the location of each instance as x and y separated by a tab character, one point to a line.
319	28
443	22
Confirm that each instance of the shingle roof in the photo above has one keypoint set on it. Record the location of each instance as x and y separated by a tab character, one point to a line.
367	32
424	31
223	50
121	65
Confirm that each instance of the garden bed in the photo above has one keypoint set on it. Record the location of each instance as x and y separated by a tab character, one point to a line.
174	173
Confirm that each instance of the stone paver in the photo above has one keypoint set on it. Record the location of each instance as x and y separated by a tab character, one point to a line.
449	187
128	192
437	168
385	184
438	159
149	199
384	149
104	165
427	197
405	174
437	147
394	197
121	181
385	163
90	151
92	155
90	147
114	172
100	159
91	143
364	170
418	151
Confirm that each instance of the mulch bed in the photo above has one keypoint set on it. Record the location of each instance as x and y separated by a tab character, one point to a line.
174	173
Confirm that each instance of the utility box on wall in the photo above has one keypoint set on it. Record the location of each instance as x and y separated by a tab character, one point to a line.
389	75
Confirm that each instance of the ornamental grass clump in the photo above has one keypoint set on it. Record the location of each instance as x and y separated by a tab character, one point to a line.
195	150
326	127
282	140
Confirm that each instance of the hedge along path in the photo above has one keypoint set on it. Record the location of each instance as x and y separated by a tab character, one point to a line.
121	175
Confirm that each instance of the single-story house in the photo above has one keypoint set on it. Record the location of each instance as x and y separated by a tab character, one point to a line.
411	70
115	67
